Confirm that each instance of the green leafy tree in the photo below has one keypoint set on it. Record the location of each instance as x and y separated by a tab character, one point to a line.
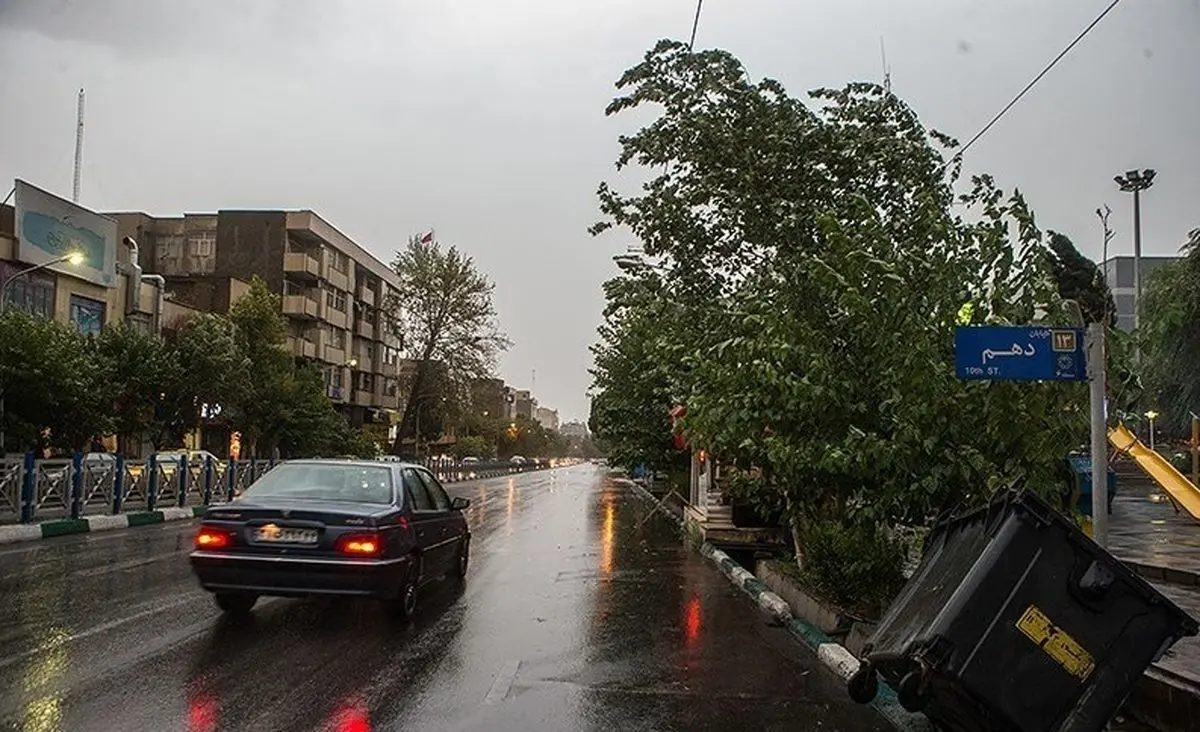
209	373
443	311
473	446
814	265
55	393
1080	279
138	368
1170	337
632	376
259	408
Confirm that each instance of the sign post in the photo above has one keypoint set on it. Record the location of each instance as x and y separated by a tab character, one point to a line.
1097	366
1037	353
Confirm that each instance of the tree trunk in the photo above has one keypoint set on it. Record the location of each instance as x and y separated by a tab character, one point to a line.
410	405
796	524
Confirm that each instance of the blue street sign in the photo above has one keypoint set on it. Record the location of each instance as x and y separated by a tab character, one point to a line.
1006	353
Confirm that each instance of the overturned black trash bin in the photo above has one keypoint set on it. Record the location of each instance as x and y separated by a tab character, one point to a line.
1015	620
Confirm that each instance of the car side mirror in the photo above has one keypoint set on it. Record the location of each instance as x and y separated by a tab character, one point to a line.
459	504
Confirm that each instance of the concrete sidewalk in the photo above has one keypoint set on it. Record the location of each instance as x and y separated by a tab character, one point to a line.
1164	547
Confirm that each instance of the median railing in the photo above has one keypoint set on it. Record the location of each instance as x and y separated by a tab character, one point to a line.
35	490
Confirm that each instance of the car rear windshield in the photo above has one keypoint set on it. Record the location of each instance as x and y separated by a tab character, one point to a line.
314	481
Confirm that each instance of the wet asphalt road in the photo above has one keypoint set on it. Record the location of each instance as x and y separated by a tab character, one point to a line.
573	617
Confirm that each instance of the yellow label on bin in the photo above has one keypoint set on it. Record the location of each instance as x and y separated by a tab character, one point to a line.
1055	642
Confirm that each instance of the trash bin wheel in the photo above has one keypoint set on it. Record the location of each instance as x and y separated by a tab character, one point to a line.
909	692
863	685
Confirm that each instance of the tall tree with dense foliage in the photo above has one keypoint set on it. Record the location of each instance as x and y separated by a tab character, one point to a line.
260	408
444	314
1170	338
53	383
631	378
137	367
817	266
1080	279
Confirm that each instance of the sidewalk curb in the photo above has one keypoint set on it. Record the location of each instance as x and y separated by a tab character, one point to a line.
834	656
12	534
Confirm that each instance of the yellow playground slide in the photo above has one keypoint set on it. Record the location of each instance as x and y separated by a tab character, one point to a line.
1158	468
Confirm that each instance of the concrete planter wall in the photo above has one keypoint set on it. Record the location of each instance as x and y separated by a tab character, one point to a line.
804	605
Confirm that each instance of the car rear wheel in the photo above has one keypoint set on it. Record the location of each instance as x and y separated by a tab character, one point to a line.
405	604
235	603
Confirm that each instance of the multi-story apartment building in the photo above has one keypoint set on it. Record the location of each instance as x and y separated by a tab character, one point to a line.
1118	273
525	405
547	418
333	291
574	429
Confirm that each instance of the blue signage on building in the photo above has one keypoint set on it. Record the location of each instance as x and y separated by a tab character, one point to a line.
1019	353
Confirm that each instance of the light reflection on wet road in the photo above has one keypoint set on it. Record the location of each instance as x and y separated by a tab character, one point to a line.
573	617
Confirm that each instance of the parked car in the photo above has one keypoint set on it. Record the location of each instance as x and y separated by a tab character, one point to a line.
517	460
333	528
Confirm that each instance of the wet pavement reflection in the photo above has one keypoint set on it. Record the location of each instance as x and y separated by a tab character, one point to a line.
576	615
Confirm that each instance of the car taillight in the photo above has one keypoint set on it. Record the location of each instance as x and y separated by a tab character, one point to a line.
210	538
362	545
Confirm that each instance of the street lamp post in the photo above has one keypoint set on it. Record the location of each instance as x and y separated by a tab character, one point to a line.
1152	415
73	258
1135	182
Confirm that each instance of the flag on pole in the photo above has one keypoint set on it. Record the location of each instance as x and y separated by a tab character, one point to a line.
427	237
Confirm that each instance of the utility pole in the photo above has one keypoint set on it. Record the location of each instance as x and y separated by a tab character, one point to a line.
78	149
1096	371
1135	182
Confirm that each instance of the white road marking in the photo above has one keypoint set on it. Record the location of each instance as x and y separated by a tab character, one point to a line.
503	683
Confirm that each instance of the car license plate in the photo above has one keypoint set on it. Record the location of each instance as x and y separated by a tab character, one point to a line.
273	534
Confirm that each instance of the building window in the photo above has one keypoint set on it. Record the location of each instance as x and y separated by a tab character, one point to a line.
339	261
87	315
33	293
391	356
336	378
365	382
337	338
202	243
336	299
1124	304
391	387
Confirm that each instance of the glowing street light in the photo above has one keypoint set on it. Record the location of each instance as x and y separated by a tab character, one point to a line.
1152	415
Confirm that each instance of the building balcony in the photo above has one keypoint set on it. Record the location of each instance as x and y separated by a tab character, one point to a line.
301	265
367	297
365	398
302	348
336	393
299	306
337	318
389	402
366	364
364	329
335	355
337	279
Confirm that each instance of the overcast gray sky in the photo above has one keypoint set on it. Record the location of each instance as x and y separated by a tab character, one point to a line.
484	118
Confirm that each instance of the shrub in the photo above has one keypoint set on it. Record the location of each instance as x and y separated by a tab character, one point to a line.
859	567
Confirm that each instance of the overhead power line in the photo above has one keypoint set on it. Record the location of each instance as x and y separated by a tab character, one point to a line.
1037	78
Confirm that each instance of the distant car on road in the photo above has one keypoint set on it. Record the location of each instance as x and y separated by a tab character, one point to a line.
517	460
349	528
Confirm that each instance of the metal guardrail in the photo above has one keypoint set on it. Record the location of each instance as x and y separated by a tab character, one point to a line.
33	490
450	471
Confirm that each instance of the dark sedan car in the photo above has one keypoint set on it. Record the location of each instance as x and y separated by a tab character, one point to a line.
332	528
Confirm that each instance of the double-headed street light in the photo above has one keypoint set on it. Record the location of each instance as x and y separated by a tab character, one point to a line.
72	258
1135	182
